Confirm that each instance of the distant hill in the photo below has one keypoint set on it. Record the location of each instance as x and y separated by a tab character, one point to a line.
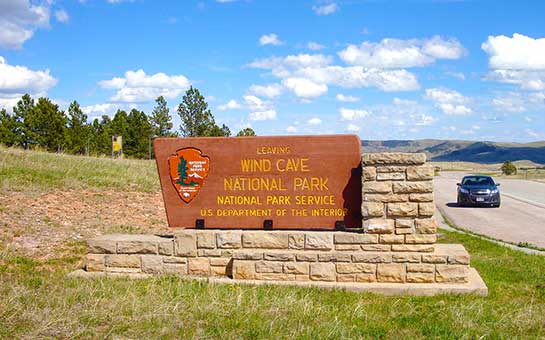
463	151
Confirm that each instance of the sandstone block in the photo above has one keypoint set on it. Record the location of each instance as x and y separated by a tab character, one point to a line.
406	258
366	277
379	226
458	259
420	239
267	240
334	257
402	209
136	247
372	209
355	238
403	231
101	246
347	247
275	276
369	173
307	257
420	268
152	264
425	248
385	198
257	255
428	197
95	263
175	268
346	277
296	241
322	271
174	259
392	168
209	252
229	239
319	241
219	271
122	260
185	244
377	187
426	209
413	187
206	239
404	223
279	257
198	266
376	247
355	268
220	261
392	272
393	158
420	277
372	258
390	176
420	173
296	268
244	270
392	238
166	247
426	226
268	267
451	273
118	270
431	258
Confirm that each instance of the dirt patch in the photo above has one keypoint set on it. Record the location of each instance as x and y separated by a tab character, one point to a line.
42	225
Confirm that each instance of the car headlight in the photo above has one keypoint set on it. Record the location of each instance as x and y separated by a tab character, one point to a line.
464	191
494	191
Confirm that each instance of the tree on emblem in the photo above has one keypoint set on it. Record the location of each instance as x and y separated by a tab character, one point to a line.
182	171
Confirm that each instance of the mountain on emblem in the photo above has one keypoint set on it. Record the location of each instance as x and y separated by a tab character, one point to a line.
188	170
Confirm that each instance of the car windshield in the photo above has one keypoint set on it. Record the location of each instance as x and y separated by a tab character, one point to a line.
477	181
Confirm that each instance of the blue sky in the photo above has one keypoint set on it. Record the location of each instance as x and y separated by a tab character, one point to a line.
380	69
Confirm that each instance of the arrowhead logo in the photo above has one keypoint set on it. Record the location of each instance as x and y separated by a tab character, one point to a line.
188	170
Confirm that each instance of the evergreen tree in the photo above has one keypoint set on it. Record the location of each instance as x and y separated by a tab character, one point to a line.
23	109
217	131
160	119
101	136
197	120
508	168
138	135
78	131
182	171
8	125
47	125
246	132
120	124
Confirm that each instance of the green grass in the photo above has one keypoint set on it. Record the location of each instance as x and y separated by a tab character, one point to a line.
37	300
41	171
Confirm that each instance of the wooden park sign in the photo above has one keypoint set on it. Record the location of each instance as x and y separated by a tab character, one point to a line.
299	182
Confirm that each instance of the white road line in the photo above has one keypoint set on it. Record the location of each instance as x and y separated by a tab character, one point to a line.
524	200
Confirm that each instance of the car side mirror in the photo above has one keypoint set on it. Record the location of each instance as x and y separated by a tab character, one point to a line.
458	184
498	184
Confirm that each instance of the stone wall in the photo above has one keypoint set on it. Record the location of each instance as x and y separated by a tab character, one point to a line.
397	200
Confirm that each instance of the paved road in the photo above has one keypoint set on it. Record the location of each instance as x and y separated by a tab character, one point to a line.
521	217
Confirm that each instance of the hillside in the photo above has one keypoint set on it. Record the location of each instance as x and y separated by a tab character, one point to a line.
463	151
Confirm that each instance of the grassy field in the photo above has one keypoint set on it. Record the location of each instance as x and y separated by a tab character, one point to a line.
38	301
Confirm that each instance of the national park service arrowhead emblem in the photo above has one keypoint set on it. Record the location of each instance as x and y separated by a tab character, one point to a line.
188	170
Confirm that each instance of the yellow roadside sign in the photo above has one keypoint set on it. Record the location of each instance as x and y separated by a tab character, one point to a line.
117	143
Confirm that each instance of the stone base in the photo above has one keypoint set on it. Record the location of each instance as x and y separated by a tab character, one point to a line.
475	284
339	259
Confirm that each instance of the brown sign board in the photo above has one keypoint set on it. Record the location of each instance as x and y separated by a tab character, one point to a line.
295	182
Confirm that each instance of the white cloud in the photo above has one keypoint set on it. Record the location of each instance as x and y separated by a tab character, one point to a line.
396	53
422	119
263	115
230	105
18	21
325	9
314	121
16	80
292	62
137	86
518	60
449	101
351	114
511	103
98	109
403	102
270	90
532	133
62	16
457	75
304	88
270	39
315	46
346	99
352	128
291	129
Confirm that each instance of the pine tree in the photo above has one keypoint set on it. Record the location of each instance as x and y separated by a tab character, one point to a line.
182	171
8	125
78	131
138	135
47	125
246	132
101	136
197	120
160	119
23	109
217	131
